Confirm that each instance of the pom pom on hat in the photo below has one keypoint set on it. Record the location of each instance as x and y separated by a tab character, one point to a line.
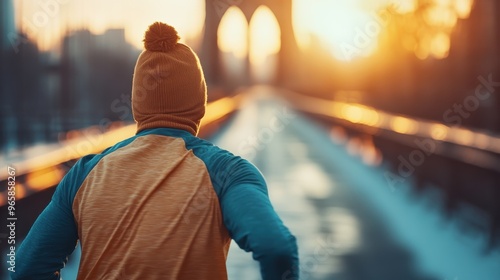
160	37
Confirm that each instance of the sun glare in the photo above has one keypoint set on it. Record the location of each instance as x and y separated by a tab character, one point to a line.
341	26
232	39
405	6
232	35
463	8
350	28
347	29
265	43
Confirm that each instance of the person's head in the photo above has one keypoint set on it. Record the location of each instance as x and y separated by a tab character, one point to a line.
169	87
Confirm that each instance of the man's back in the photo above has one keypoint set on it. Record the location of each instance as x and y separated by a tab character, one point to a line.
149	209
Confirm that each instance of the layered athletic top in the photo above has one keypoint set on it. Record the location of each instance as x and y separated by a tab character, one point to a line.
163	204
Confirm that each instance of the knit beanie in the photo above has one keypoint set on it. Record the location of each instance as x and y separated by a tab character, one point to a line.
168	88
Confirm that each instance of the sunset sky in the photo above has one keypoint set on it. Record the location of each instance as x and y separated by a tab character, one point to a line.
46	24
336	24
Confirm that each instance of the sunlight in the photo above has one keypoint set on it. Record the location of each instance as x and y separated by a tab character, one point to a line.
349	29
187	16
311	180
406	6
357	114
439	132
441	16
352	113
265	43
20	191
42	179
463	8
464	136
440	45
404	125
342	26
233	33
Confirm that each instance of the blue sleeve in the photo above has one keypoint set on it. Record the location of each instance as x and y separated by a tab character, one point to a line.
53	236
252	221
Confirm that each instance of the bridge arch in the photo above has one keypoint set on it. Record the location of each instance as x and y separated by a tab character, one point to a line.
210	53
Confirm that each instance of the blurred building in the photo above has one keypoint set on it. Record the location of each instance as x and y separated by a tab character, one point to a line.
96	78
23	113
44	94
7	25
7	30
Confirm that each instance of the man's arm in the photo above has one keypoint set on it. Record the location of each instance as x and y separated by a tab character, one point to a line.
45	250
255	226
53	236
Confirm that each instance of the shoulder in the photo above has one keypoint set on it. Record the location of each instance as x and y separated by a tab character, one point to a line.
70	184
225	168
85	164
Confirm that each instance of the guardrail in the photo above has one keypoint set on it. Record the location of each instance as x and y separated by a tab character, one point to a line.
46	169
474	147
463	164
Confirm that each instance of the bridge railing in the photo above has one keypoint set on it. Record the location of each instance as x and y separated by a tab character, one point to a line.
462	164
35	172
474	147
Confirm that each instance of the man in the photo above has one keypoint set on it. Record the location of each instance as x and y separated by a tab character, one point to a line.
163	204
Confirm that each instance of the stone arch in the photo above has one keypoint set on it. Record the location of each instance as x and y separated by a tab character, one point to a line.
215	9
